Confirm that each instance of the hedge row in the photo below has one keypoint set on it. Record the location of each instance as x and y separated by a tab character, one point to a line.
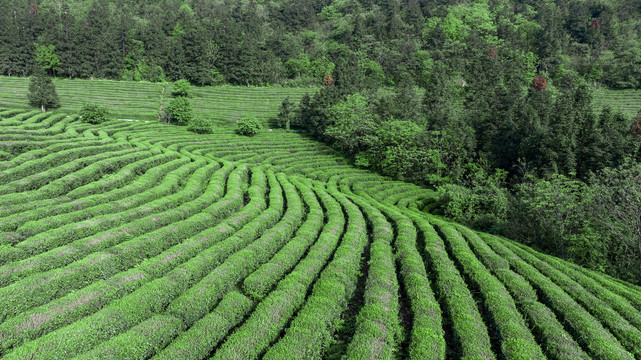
191	247
262	280
628	334
555	340
628	291
199	300
618	302
46	149
142	219
109	321
587	330
132	193
471	338
191	344
50	187
516	340
128	252
34	323
45	223
378	332
156	266
427	339
51	161
272	314
311	330
140	342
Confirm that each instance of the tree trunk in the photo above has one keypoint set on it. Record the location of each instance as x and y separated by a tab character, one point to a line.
43	107
161	99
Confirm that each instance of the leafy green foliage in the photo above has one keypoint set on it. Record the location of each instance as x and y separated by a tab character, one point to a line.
617	199
94	114
554	207
200	125
286	115
482	201
46	58
352	126
180	110
42	92
248	126
181	88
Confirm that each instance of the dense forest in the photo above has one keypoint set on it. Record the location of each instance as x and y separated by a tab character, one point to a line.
489	102
389	42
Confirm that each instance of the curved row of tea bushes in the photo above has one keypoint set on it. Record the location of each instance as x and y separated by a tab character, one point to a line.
628	334
140	219
586	329
426	337
75	305
626	290
88	172
378	332
191	344
555	340
627	307
51	161
158	177
516	340
311	330
44	150
266	276
196	302
118	317
65	279
272	314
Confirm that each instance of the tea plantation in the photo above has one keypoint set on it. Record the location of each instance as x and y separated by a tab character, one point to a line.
137	240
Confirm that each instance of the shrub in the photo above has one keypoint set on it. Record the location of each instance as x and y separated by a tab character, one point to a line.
200	125
180	111
94	114
248	126
286	114
42	92
181	88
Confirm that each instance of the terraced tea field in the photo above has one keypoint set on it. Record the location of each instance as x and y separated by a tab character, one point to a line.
135	240
141	100
626	101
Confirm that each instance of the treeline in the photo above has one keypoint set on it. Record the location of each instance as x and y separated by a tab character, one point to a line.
527	158
299	42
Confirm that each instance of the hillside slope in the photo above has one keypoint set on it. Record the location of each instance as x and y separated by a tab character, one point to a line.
141	100
138	240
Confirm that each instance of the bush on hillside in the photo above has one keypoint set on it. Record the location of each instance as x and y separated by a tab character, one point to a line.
181	88
42	91
200	125
248	126
94	114
180	111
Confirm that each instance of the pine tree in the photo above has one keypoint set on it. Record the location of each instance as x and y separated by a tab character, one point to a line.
42	91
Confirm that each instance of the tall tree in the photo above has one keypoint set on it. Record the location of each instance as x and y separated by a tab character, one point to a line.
42	91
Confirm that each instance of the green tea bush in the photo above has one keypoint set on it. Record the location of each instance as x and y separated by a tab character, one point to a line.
200	125
94	114
248	126
181	88
555	339
180	111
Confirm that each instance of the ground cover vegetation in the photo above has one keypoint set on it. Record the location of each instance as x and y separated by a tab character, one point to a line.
353	199
140	240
